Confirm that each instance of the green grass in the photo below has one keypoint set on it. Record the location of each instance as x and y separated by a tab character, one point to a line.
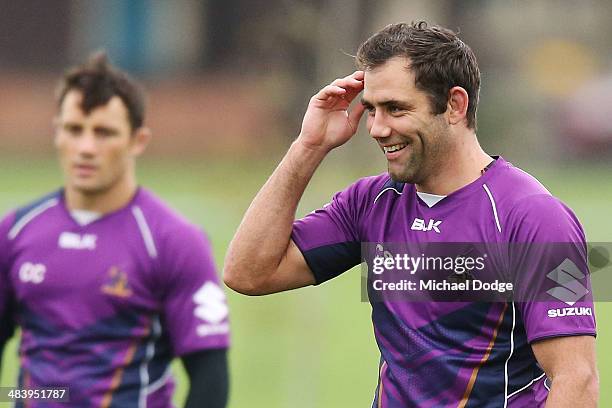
312	347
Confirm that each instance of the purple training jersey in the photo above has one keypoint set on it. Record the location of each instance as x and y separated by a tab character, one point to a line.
105	307
470	353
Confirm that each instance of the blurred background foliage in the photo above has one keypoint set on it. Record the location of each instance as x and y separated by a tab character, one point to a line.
228	82
234	76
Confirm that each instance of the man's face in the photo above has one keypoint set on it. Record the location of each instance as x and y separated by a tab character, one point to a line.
96	150
399	118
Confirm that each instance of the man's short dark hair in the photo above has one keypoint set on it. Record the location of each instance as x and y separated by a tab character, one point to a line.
439	61
99	81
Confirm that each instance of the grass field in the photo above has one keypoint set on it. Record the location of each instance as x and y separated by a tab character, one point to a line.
313	347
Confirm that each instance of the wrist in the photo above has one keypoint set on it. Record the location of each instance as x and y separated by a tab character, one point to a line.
302	160
309	150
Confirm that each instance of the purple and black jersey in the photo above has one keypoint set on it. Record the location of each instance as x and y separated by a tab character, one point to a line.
104	307
471	353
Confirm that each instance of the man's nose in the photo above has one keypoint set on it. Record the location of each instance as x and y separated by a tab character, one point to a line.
88	144
378	126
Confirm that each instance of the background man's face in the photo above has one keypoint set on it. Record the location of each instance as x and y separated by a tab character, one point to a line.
95	150
400	120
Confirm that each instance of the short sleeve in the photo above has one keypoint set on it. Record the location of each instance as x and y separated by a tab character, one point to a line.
195	311
329	237
6	293
548	255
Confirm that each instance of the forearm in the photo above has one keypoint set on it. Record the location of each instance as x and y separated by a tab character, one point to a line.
573	390
264	233
261	259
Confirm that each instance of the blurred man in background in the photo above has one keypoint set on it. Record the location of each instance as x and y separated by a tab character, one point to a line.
106	282
420	88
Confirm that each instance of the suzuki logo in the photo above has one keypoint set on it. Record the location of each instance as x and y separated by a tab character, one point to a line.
570	311
420	225
567	274
210	303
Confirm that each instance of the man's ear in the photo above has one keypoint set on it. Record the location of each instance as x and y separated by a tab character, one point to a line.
140	140
457	107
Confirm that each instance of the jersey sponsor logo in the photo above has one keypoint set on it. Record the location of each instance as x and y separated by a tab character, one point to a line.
204	330
32	272
212	308
71	240
117	284
570	311
210	303
568	275
421	225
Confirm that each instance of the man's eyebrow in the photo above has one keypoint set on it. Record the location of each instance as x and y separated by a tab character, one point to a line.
106	128
365	102
389	102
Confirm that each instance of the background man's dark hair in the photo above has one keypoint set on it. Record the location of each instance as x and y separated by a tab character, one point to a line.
99	81
439	61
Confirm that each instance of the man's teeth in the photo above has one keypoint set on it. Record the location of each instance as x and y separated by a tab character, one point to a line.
394	148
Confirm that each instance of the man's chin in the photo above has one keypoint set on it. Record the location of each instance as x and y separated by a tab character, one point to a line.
400	176
86	188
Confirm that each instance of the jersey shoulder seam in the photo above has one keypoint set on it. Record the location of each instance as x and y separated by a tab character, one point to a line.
25	214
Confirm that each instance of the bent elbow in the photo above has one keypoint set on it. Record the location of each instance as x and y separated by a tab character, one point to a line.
592	386
585	383
232	278
589	383
235	280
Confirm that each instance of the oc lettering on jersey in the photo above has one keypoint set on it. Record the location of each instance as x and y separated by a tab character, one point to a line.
32	272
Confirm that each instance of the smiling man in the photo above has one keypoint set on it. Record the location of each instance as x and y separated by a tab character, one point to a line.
420	88
106	282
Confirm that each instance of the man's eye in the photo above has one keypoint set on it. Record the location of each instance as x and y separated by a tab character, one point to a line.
73	129
105	132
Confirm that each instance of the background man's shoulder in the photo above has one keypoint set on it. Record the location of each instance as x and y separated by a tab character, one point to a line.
165	223
17	219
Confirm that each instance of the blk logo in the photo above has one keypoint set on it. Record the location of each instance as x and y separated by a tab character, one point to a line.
70	240
420	225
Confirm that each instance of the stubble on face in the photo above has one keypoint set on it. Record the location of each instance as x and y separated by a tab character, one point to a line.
429	147
401	113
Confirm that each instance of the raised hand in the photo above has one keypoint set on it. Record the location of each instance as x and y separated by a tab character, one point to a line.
328	123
